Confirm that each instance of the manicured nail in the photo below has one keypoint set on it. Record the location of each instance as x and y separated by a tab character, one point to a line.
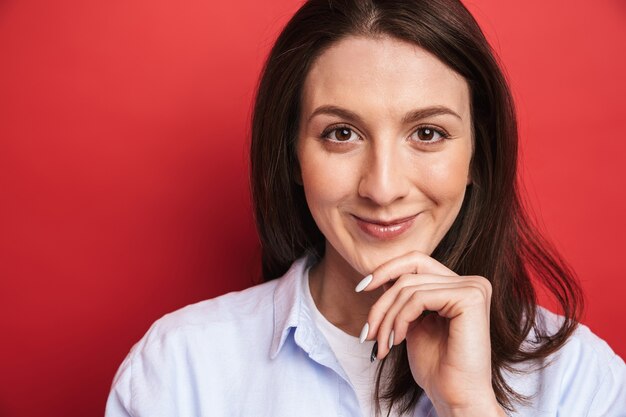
364	331
364	283
374	352
391	335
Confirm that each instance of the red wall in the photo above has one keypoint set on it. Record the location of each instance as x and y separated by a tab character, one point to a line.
123	194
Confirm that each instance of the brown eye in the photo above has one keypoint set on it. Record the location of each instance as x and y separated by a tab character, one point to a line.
425	134
341	134
428	135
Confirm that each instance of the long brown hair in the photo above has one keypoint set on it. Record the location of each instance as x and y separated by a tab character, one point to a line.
492	236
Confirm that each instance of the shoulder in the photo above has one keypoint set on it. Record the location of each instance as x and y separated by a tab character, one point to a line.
583	347
195	348
231	307
240	308
197	356
584	377
247	316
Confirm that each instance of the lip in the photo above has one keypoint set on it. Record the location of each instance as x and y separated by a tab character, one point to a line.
385	229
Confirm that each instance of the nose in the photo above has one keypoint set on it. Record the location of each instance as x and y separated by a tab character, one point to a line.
384	177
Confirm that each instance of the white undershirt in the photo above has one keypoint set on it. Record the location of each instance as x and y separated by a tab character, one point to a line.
353	356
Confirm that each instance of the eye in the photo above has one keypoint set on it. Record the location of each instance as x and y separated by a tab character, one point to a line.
429	135
340	134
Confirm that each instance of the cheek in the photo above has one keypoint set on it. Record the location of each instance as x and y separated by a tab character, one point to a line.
326	182
447	179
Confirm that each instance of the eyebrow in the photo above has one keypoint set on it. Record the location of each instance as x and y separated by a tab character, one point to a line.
410	117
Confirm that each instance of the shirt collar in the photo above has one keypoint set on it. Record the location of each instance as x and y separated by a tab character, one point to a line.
288	303
290	311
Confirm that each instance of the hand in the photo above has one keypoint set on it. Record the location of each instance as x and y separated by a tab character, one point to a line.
449	351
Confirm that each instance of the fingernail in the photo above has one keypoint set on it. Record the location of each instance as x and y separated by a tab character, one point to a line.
364	332
364	283
391	335
374	352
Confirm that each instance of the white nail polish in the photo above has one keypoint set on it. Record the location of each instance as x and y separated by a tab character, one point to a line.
391	336
364	283
364	332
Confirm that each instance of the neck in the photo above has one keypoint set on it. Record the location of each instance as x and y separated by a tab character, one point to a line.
332	283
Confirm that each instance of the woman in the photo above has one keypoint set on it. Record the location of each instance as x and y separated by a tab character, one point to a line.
384	150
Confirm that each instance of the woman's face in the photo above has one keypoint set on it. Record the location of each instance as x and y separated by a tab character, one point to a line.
384	146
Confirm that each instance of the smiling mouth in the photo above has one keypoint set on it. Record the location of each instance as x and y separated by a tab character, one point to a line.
384	229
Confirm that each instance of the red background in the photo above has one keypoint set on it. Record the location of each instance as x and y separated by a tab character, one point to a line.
123	179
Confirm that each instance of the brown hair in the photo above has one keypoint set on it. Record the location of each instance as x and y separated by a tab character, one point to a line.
492	235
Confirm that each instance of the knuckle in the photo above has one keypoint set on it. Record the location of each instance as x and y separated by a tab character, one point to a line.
398	319
476	294
404	279
399	323
414	298
480	282
485	284
418	256
407	315
405	292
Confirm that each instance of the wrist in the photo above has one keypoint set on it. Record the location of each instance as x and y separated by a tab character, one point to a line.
489	409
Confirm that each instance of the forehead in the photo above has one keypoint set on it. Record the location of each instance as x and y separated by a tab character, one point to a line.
383	75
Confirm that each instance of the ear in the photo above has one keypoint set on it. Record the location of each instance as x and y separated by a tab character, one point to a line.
469	179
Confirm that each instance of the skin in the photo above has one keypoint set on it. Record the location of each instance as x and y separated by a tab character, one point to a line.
364	151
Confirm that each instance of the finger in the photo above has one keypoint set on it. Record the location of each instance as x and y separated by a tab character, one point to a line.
390	297
388	332
470	298
412	263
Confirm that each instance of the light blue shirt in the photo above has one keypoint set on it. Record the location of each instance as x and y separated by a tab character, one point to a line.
258	353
